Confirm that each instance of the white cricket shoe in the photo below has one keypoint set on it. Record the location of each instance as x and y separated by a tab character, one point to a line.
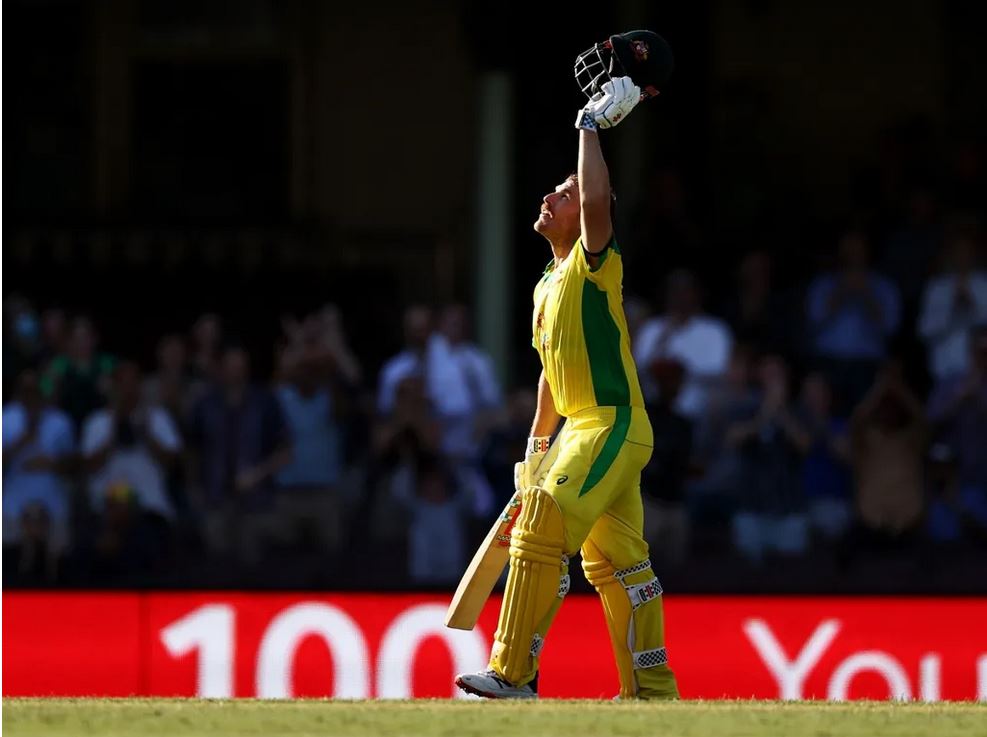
490	685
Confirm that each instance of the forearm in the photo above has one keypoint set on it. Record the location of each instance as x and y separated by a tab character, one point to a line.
594	192
546	416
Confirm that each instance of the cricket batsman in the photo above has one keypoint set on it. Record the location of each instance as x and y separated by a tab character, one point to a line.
590	500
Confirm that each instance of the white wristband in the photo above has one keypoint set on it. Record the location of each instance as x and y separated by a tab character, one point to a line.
537	445
584	121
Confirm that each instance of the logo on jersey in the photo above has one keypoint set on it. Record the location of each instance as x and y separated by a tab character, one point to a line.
561	480
640	50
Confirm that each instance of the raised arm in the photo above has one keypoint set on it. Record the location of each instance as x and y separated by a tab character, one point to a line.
594	194
612	104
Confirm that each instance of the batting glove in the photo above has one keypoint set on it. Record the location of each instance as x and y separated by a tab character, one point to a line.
526	472
611	105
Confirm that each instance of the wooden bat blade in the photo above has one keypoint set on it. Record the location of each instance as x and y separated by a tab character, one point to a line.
483	571
488	563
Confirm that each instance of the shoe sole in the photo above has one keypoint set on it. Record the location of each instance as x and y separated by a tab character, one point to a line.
470	689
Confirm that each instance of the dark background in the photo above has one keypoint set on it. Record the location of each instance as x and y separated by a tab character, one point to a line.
165	158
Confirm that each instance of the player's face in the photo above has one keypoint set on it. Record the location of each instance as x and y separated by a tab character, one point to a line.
559	211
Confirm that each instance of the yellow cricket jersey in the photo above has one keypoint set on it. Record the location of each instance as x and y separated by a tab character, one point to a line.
580	333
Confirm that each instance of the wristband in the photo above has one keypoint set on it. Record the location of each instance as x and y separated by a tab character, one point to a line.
538	445
584	121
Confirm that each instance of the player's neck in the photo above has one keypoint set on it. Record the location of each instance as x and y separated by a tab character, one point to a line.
561	249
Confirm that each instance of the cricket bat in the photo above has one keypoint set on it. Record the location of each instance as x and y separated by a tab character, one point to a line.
488	563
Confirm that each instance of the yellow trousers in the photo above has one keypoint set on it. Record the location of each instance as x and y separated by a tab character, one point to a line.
595	483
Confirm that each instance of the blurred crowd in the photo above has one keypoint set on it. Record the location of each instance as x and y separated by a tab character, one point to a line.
834	416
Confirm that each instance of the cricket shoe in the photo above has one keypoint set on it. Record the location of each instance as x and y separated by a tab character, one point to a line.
490	685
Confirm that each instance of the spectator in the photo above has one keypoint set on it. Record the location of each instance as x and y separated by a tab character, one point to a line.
240	442
733	399
666	232
54	333
38	446
770	510
952	304
887	440
333	341
461	383
699	342
758	313
406	437
21	338
172	387
663	479
852	314
958	411
128	449
909	250
826	455
507	442
80	377
637	311
207	338
410	361
944	513
308	486
437	503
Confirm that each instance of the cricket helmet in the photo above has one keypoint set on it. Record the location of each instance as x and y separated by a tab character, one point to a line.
644	56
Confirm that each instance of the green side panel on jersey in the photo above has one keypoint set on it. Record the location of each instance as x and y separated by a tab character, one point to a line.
608	453
602	337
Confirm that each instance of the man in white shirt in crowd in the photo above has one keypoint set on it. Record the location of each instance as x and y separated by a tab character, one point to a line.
952	304
38	443
461	382
126	448
699	342
409	362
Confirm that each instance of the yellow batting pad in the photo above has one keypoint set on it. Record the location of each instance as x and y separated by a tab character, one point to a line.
632	605
536	584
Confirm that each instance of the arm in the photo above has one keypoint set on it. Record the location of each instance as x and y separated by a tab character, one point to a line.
547	418
616	100
594	196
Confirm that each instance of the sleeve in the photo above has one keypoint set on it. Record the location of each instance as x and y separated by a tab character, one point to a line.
890	304
608	272
63	440
13	425
95	433
713	360
645	343
489	386
934	318
978	286
387	387
164	430
815	301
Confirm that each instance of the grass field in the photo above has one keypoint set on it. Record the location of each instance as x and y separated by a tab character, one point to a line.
152	717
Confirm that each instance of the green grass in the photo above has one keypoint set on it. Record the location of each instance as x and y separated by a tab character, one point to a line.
152	717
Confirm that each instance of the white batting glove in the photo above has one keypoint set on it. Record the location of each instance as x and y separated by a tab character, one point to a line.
526	472
611	105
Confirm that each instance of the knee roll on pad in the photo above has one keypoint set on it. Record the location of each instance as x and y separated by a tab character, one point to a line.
636	631
640	592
